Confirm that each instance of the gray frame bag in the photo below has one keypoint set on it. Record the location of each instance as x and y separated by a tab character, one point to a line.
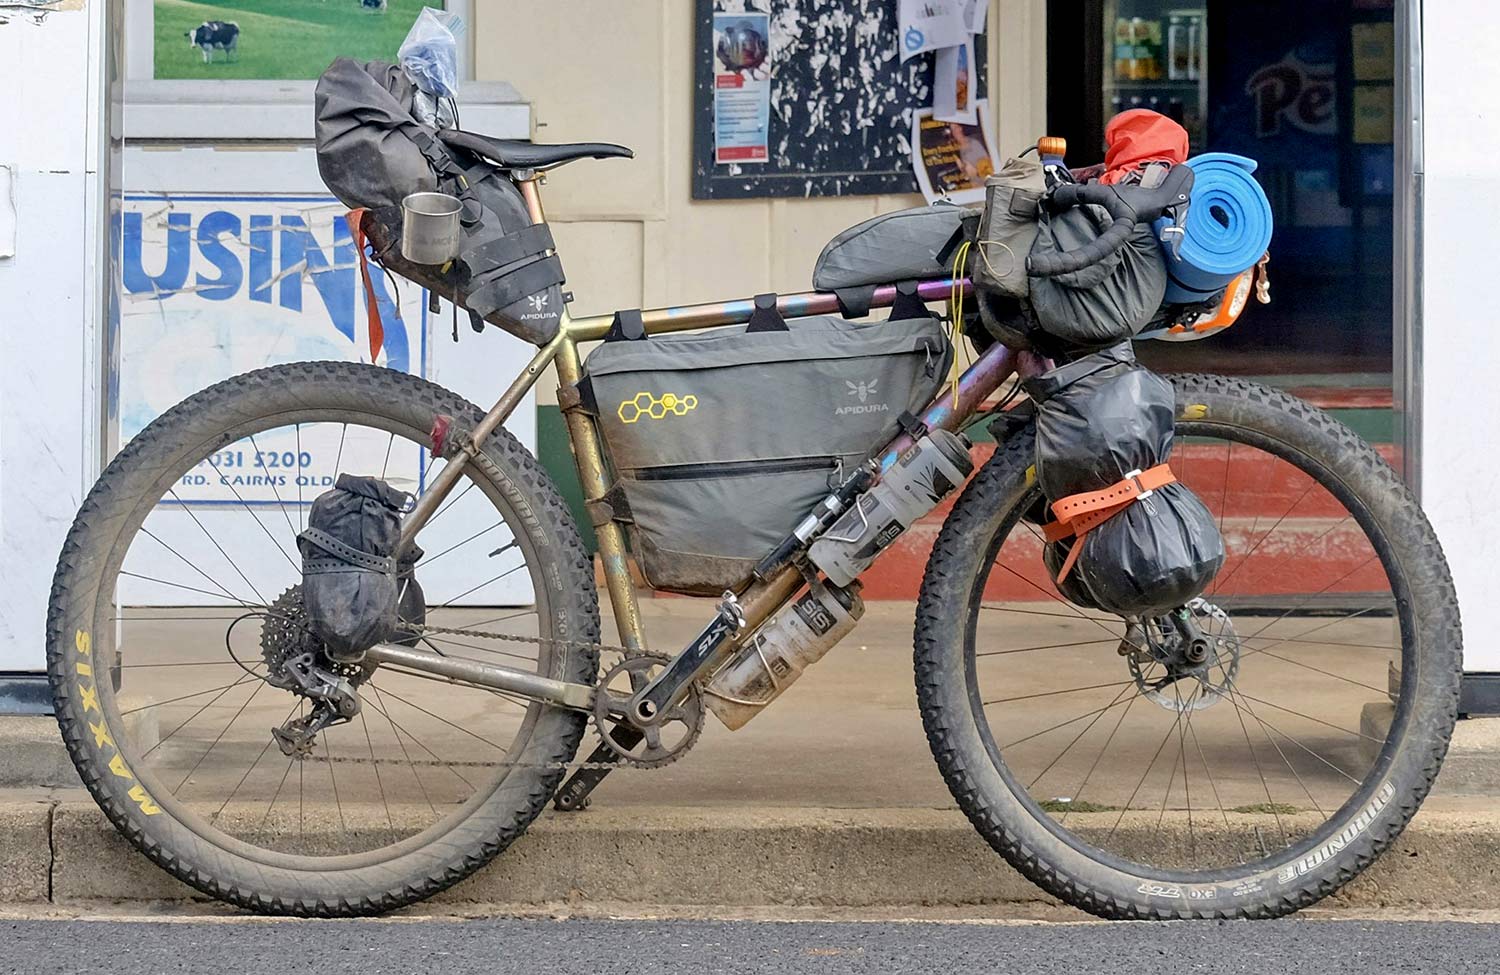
373	152
721	442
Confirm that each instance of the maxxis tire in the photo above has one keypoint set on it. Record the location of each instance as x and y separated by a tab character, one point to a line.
1396	784
412	874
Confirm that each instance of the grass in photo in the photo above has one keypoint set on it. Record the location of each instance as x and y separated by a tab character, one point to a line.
279	39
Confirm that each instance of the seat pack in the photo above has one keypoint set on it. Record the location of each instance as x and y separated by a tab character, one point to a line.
373	153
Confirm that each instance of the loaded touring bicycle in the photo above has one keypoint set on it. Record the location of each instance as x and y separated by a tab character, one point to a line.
1185	646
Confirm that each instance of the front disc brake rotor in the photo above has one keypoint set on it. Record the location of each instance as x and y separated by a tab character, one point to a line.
662	743
1188	686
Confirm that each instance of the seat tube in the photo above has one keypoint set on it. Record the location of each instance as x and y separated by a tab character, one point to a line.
589	458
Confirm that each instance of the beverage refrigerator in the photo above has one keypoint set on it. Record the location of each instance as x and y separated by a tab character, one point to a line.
1155	56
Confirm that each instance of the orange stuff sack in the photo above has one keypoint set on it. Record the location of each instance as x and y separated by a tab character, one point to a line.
1141	136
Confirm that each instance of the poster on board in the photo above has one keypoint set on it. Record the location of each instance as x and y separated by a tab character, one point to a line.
953	159
742	88
929	25
953	77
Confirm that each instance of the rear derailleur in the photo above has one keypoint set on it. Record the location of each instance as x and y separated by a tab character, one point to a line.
295	661
334	700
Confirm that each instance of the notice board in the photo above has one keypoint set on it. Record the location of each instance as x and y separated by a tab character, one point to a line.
840	99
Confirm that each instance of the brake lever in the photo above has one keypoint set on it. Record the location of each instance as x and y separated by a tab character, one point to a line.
1174	235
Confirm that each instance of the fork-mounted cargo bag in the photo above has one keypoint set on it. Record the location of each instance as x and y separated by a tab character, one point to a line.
1098	419
907	245
373	153
722	441
350	576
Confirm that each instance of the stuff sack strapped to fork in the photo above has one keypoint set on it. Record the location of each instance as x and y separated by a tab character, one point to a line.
373	153
1129	538
352	583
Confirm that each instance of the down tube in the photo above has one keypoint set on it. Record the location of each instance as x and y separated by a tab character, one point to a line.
981	379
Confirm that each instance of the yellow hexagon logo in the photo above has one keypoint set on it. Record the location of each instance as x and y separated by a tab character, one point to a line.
649	405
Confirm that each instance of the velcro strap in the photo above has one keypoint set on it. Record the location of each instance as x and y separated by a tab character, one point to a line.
508	288
1079	514
344	553
526	242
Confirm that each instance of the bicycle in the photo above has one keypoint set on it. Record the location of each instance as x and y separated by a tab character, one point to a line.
1334	593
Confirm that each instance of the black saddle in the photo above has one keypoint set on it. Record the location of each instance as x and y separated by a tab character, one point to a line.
520	154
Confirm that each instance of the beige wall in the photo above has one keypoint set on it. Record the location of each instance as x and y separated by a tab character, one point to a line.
629	231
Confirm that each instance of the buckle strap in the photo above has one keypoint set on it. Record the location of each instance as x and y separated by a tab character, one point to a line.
527	242
1079	514
318	538
505	289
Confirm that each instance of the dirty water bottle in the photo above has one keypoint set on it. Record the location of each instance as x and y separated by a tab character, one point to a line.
778	653
928	472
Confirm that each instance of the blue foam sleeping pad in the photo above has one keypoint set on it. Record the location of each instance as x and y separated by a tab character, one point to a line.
1214	253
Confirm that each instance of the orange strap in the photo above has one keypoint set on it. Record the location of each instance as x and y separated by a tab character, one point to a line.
1079	514
372	309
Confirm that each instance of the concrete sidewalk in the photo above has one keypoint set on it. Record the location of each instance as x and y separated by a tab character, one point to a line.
831	796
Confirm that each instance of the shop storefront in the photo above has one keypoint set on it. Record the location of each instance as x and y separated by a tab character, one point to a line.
231	255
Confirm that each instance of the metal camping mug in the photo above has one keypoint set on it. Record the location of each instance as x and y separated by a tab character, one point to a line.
429	228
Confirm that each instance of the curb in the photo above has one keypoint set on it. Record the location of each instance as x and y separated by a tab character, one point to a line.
67	853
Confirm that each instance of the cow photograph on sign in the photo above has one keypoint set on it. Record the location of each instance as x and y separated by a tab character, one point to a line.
275	39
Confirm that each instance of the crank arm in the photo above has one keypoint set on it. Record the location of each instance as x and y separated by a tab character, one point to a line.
578	697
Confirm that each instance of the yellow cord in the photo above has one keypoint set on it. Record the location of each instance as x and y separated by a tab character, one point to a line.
956	312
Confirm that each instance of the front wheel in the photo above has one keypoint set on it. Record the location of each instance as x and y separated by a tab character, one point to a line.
1133	779
176	617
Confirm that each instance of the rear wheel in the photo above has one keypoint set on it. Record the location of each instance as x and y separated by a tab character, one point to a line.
176	610
1126	771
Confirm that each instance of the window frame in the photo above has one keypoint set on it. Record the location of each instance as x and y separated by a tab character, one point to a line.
239	109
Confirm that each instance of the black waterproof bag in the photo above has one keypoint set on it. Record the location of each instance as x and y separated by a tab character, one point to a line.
351	579
1098	419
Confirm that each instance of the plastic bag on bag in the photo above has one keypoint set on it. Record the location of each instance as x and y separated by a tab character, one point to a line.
430	52
1100	418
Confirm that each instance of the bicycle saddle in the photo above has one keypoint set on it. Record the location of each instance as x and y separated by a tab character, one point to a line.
521	154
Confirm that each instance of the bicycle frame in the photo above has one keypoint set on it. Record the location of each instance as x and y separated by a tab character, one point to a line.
761	598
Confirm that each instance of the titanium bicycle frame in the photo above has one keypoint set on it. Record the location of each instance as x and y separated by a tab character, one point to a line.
759	600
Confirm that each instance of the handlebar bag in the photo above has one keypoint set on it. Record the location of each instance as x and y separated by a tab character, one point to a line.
1099	418
351	579
373	153
1101	304
907	245
720	442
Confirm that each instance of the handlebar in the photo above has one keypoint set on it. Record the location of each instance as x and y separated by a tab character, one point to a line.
1127	205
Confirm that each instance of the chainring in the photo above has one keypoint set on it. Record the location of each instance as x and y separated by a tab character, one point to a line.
664	742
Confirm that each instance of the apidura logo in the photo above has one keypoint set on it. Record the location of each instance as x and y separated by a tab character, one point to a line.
864	390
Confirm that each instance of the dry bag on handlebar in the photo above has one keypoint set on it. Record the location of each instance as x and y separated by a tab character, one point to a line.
1103	303
350	574
721	442
1104	422
373	152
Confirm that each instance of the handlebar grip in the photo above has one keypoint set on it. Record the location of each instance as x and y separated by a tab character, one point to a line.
1066	262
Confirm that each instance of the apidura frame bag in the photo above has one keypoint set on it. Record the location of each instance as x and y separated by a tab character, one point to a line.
721	442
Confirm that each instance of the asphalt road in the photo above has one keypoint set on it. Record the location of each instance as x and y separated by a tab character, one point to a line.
493	947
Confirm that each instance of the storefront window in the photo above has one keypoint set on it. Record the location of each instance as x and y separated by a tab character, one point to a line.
264	40
1305	88
273	39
